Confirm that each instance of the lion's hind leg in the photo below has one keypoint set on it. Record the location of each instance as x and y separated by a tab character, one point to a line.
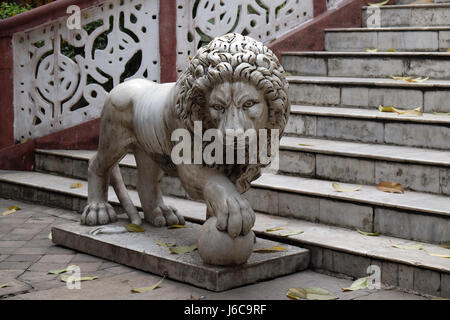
149	176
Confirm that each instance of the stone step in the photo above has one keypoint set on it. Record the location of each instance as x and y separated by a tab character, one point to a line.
431	95
367	209
369	126
384	39
412	15
415	168
346	252
435	65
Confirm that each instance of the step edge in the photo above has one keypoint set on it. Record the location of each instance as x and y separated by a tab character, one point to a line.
340	248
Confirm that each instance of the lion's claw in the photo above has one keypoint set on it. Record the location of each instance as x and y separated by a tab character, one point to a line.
165	216
98	213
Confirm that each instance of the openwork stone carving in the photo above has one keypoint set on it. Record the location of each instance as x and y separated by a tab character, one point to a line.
233	83
199	21
62	76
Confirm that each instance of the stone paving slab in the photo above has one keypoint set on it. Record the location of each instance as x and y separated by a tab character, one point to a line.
140	250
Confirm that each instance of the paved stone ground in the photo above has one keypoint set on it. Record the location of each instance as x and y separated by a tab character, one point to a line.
27	254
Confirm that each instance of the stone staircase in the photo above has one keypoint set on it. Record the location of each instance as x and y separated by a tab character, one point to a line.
335	134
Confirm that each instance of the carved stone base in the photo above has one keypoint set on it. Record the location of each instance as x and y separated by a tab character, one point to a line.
140	250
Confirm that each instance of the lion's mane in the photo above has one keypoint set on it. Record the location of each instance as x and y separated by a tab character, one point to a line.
233	57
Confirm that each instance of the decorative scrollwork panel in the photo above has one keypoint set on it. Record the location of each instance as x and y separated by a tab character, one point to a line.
199	21
62	76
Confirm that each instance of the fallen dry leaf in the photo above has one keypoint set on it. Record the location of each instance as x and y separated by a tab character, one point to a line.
274	229
391	187
442	113
312	293
134	228
372	234
391	50
268	250
71	267
371	50
292	233
50	236
357	285
184	249
440	255
146	289
4	285
76	185
338	188
305	145
415	246
410	112
65	278
165	244
176	226
11	210
378	4
445	246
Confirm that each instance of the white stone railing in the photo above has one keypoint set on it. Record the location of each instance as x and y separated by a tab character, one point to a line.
62	76
198	21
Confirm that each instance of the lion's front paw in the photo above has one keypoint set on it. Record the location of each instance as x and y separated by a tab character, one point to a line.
164	215
98	213
234	215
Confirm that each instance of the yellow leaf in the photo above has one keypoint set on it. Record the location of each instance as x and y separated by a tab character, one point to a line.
146	289
372	234
293	233
445	246
14	208
134	228
442	113
305	145
413	112
448	50
274	229
391	50
378	4
391	187
416	246
62	270
338	188
400	78
312	293
371	50
190	58
4	285
419	79
439	255
76	185
268	250
165	244
297	293
65	278
176	226
357	285
50	236
288	74
181	250
8	212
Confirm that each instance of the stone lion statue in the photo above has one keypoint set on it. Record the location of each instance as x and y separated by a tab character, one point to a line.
234	82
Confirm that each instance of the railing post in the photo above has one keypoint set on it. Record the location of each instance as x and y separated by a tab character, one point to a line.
168	40
320	6
6	93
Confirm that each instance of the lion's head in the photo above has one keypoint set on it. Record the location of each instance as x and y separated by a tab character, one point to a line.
234	82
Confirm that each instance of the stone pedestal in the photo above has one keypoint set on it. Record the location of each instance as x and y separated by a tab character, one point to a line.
141	251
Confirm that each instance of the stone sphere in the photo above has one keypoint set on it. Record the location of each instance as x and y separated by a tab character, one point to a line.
219	248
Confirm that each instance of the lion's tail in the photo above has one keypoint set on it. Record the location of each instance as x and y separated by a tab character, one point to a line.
123	196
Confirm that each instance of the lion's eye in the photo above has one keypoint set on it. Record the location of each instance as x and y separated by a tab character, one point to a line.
218	107
249	104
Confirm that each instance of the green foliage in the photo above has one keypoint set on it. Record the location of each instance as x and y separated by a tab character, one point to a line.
9	9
